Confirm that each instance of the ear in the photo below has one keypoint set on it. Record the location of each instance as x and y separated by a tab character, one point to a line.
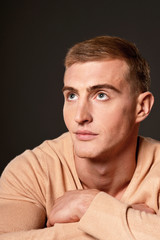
144	105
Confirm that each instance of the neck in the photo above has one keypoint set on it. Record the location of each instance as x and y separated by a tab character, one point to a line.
111	174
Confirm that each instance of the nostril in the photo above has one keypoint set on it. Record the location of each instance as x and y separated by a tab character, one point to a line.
83	118
83	113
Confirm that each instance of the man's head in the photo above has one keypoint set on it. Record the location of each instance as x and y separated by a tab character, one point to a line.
106	96
107	47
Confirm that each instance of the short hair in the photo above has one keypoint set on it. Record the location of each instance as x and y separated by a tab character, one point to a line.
109	47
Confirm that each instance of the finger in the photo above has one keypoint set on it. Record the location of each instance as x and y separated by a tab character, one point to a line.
48	224
143	207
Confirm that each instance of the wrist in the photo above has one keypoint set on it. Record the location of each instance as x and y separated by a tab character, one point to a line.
86	199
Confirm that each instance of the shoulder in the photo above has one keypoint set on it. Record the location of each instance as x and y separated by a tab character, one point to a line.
28	174
149	143
58	145
38	158
60	149
149	149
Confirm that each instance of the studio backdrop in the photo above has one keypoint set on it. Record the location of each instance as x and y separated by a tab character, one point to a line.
35	37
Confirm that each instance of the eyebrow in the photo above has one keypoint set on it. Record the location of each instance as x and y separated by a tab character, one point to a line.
100	86
93	88
67	88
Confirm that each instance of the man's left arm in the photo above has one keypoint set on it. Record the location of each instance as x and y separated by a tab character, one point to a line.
104	217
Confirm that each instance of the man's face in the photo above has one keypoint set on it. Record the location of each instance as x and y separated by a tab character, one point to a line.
99	108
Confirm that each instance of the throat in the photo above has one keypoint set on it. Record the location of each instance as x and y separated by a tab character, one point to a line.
107	177
108	187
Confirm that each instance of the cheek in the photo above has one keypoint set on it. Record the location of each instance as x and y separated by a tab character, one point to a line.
112	124
116	120
125	119
67	116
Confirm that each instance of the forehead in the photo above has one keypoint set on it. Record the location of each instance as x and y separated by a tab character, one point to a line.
87	74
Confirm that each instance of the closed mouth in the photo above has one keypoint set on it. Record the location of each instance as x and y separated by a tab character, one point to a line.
85	135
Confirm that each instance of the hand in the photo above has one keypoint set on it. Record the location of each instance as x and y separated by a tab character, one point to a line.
143	207
71	206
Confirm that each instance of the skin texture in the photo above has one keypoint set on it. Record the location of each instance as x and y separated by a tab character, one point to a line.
102	114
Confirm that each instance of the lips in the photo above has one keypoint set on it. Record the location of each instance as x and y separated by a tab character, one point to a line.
85	135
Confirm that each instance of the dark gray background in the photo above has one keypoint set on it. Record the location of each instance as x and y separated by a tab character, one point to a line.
35	36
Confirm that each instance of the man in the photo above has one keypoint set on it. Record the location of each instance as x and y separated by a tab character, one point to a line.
100	180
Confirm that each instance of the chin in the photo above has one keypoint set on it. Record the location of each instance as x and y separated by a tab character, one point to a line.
84	155
82	152
87	149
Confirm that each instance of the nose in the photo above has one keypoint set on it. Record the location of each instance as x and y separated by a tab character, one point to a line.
83	113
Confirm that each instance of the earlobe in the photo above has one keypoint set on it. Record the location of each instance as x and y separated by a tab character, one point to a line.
145	102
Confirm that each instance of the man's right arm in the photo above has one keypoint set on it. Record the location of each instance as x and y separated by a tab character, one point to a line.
68	231
22	220
23	212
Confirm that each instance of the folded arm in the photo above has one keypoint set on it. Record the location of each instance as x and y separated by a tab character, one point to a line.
102	216
23	220
111	218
